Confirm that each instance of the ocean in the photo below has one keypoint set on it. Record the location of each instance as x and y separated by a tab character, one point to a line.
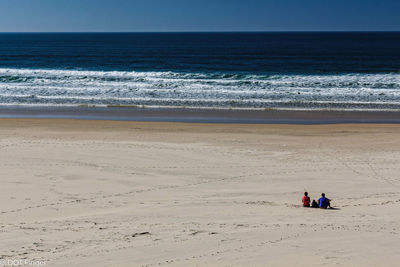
354	70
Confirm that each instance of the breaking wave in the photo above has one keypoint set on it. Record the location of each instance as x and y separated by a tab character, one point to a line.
77	87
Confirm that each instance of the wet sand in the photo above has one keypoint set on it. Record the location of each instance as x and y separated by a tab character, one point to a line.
123	193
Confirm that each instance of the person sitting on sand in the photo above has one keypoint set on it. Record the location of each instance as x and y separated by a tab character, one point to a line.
324	202
314	204
306	200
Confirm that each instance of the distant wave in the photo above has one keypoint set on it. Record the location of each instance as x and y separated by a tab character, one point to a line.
41	86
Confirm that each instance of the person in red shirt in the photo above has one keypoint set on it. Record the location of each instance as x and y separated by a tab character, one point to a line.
306	200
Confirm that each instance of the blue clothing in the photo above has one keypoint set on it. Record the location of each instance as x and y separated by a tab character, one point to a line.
323	202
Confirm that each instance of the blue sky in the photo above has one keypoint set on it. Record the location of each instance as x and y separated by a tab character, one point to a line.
199	15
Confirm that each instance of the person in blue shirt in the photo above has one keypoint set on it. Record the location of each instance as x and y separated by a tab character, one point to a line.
324	202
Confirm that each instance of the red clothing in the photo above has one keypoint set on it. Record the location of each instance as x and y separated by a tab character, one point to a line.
306	201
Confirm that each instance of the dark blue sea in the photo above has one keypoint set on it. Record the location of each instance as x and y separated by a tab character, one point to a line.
219	70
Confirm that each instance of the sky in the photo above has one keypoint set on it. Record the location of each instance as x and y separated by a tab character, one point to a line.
198	15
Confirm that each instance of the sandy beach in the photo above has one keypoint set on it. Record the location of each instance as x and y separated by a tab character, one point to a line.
114	193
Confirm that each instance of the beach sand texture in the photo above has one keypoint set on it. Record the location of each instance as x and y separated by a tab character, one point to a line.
108	193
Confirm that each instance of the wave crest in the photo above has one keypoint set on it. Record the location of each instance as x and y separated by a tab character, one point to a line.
40	86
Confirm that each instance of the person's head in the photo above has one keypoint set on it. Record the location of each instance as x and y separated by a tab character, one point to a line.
306	193
323	194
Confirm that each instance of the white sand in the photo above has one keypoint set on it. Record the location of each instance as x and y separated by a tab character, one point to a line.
79	193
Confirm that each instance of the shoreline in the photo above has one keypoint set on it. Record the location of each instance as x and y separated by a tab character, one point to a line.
200	115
